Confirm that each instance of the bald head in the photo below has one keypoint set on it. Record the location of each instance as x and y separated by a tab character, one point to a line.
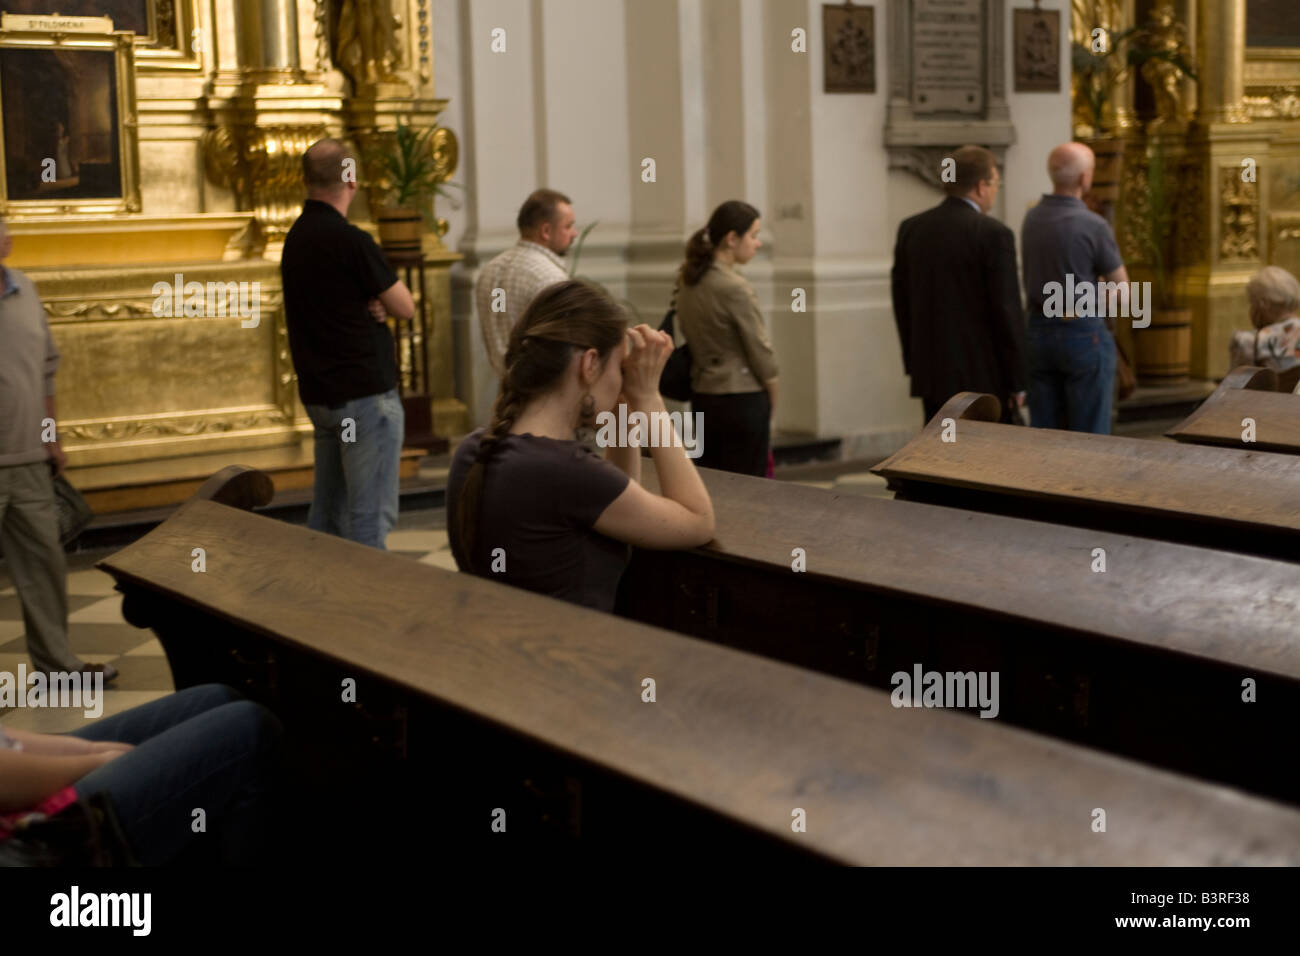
1070	167
323	167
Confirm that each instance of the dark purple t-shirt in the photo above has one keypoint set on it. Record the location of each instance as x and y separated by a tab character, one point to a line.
541	497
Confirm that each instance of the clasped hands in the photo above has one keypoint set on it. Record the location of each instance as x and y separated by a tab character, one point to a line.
643	363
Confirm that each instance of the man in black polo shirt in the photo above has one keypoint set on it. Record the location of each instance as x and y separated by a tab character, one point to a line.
338	292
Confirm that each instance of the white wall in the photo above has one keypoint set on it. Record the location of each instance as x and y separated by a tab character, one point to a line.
589	86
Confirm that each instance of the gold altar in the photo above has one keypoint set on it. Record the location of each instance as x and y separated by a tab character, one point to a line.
1228	141
224	106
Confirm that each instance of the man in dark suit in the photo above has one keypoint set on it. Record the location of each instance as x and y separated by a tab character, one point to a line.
956	293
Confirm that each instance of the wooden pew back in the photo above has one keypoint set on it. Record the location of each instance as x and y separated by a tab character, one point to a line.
1198	495
731	737
1131	645
1252	409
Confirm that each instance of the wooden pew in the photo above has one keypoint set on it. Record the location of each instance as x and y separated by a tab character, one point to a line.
1260	394
459	677
1247	502
1145	659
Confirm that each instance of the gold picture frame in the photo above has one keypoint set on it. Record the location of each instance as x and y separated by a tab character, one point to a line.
167	42
69	143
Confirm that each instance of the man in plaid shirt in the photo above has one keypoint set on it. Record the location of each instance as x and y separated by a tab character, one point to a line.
508	283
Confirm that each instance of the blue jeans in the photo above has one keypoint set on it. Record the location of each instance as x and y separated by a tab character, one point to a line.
201	748
1071	374
355	494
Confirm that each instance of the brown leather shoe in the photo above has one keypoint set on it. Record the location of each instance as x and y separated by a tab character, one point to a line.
109	671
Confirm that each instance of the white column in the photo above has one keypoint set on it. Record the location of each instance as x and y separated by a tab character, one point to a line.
498	161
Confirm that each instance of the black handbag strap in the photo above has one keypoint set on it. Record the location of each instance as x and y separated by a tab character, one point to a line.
669	322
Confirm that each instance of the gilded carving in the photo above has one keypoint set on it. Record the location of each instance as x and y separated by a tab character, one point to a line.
422	30
263	167
175	427
166	14
1279	102
98	310
1135	207
1186	196
367	47
1239	215
1169	38
322	36
1189	217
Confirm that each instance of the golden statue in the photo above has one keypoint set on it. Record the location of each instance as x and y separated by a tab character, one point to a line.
1167	38
366	46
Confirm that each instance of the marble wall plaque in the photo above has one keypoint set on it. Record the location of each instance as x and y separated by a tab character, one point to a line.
948	56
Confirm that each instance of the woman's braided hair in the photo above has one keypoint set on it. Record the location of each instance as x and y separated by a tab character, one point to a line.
563	320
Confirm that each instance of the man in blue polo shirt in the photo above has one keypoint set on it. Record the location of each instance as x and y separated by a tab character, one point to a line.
1072	354
338	292
29	523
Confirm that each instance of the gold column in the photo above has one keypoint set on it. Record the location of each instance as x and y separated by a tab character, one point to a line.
268	37
1221	51
1231	198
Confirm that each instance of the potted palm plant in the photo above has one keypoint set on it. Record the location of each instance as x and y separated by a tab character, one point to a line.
1100	70
410	173
1163	349
1101	67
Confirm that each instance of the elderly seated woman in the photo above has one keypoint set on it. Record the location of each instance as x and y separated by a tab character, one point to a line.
1274	296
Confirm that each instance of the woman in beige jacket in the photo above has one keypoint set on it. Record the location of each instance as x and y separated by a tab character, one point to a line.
733	367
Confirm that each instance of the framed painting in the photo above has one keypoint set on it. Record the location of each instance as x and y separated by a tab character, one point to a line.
164	30
134	16
849	49
68	140
1038	50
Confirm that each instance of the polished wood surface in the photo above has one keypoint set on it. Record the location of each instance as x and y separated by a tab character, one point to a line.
1145	659
740	737
1154	595
1258	394
1248	502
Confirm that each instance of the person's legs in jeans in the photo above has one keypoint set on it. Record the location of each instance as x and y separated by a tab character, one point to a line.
370	466
1046	389
329	499
1090	380
29	539
201	748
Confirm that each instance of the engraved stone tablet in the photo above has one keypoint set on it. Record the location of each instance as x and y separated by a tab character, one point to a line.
948	51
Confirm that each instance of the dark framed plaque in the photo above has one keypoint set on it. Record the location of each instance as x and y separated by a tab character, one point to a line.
947	81
849	48
1038	50
948	49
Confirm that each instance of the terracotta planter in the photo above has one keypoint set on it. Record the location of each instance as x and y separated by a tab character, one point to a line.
1164	348
400	228
1110	168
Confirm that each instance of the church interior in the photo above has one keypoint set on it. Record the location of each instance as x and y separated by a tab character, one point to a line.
929	635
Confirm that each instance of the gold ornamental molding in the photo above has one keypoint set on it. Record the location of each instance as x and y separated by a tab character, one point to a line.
1280	102
214	422
1239	216
99	310
262	165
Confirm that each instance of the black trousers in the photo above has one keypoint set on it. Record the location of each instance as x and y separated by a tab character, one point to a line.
737	431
